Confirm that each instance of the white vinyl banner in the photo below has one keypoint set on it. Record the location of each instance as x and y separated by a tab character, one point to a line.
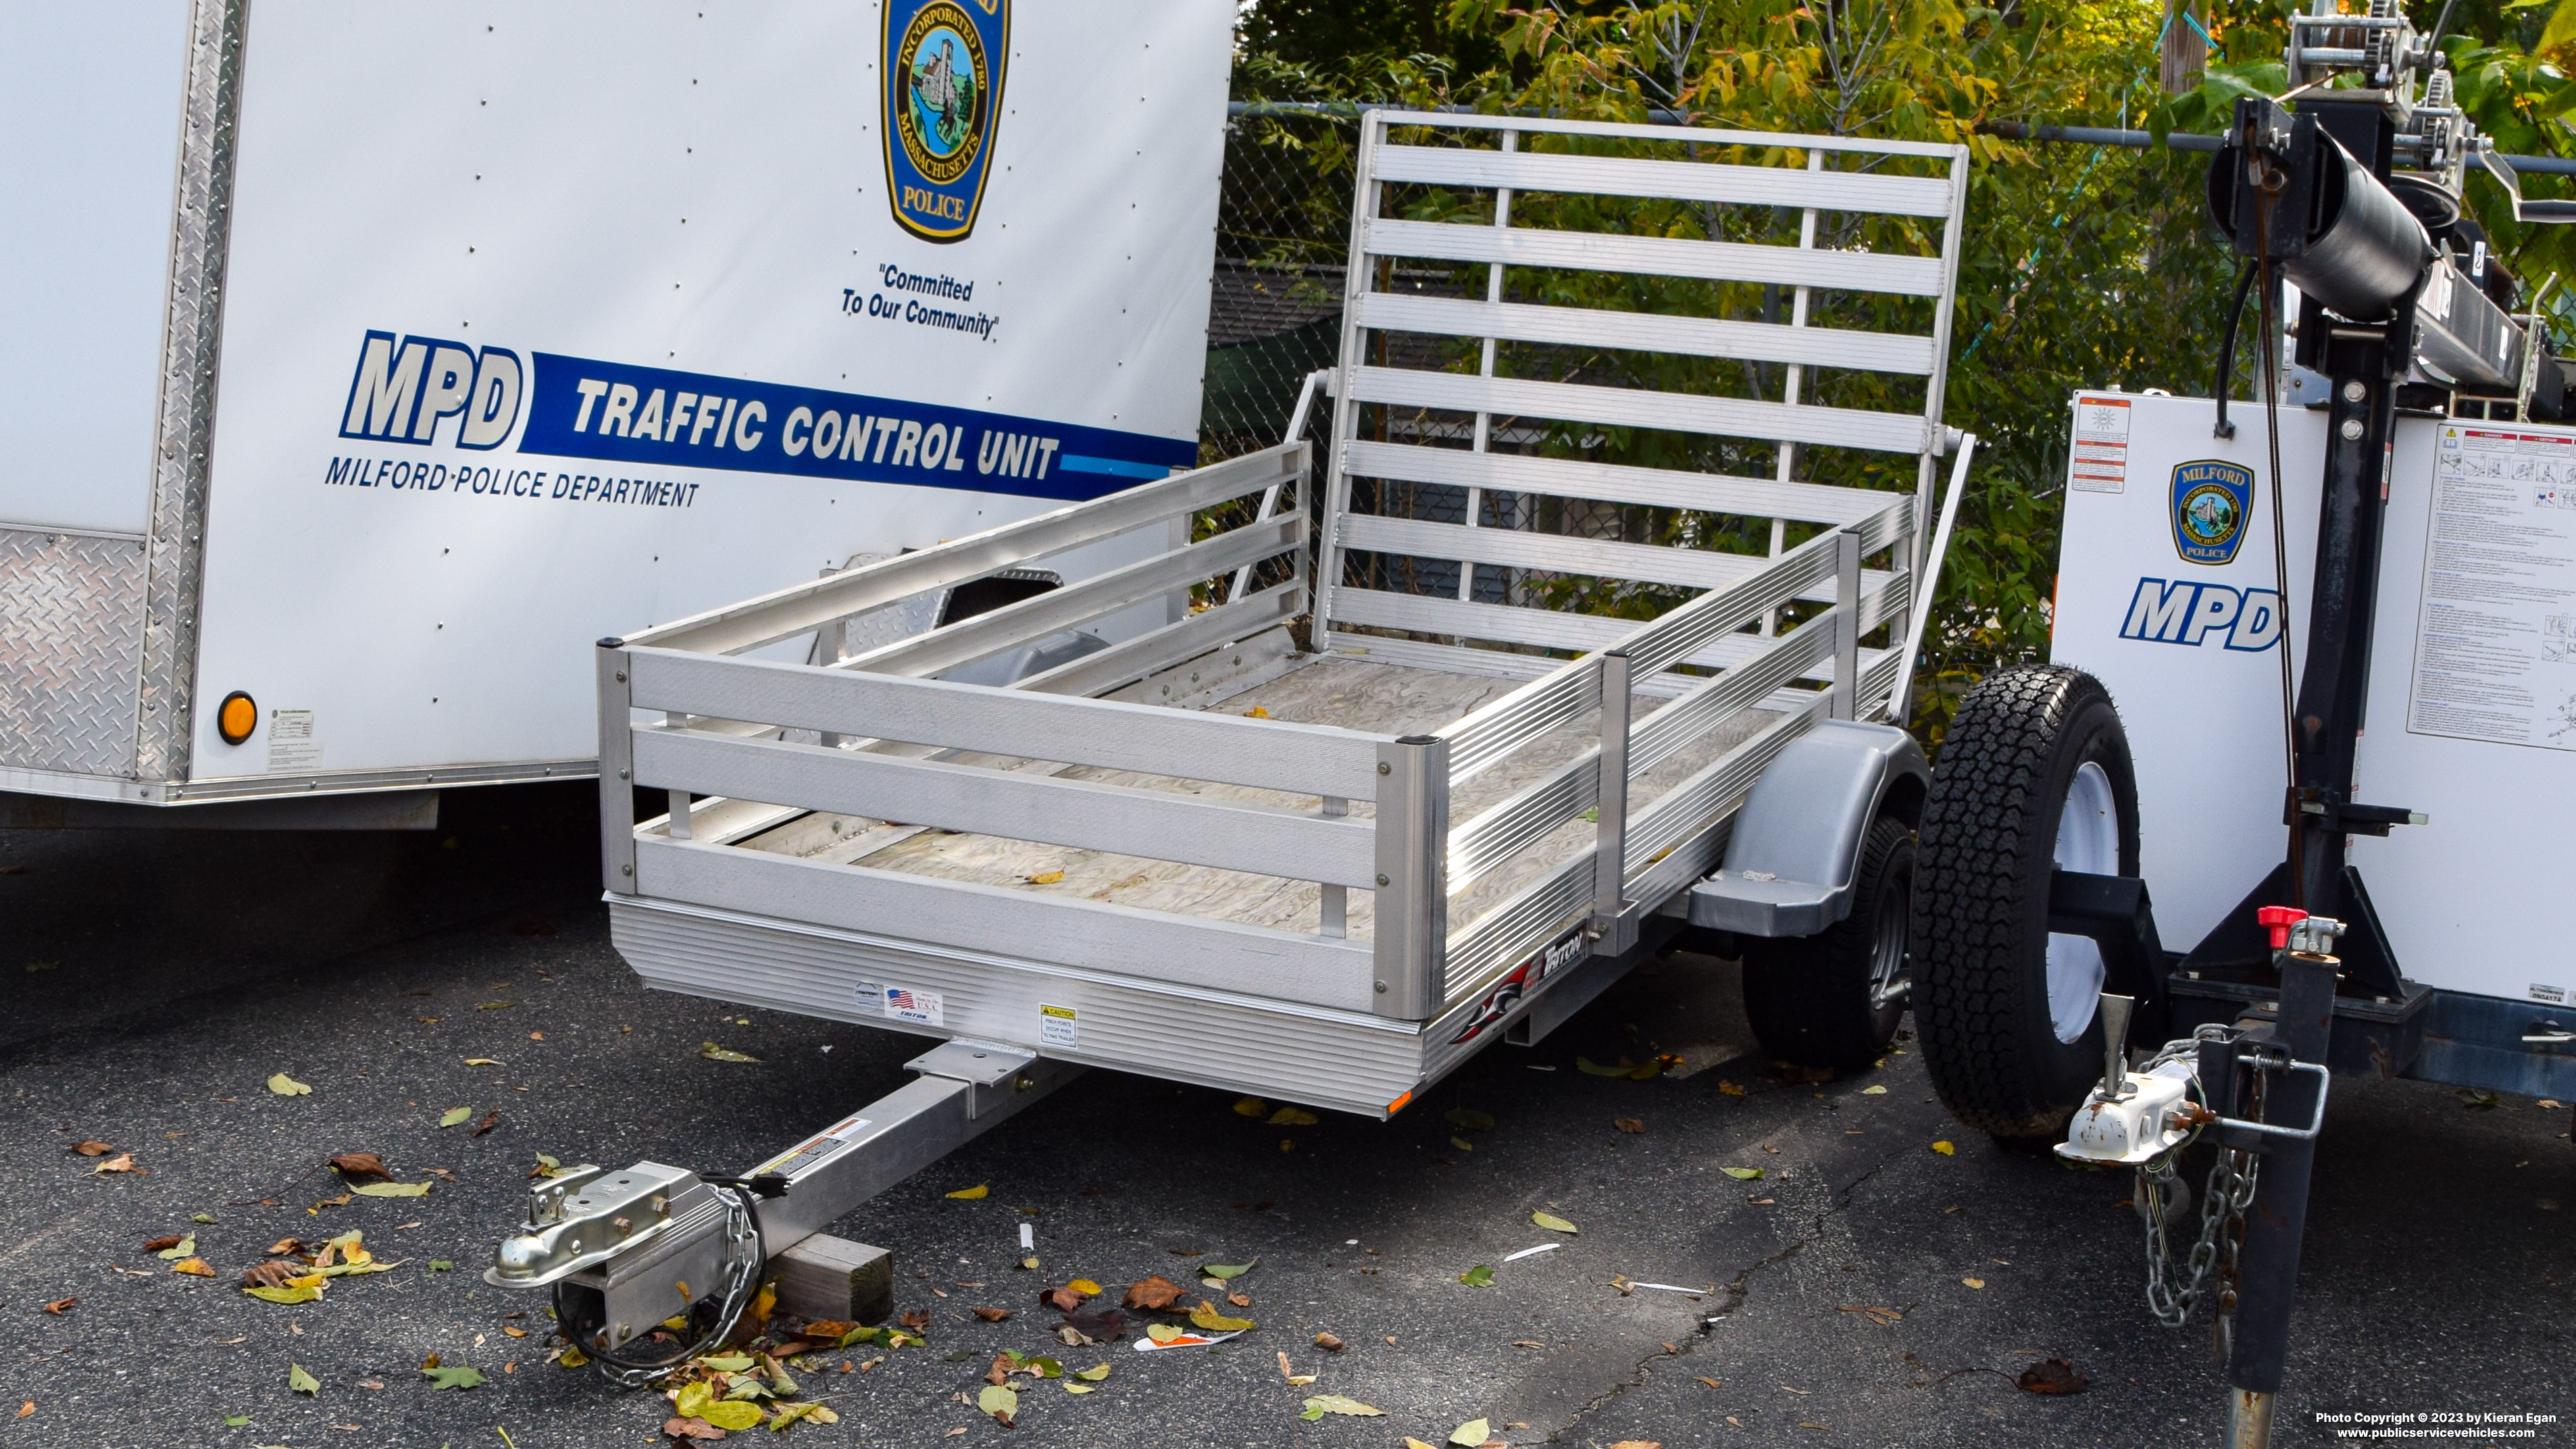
2167	592
550	322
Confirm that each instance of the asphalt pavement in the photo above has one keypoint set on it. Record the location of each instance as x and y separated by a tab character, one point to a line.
1866	1289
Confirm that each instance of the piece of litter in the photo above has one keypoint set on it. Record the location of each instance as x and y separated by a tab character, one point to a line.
1183	1339
1028	1237
1677	1288
1531	1252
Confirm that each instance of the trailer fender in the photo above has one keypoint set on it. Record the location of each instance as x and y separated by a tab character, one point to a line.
1789	860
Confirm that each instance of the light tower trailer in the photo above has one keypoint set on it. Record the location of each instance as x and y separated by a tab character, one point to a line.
366	364
2433	595
1331	835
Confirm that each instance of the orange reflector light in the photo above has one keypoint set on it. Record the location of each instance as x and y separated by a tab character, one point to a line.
236	717
1398	1104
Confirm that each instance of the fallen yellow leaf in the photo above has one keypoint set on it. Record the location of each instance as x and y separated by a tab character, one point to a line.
286	1086
193	1267
1945	1149
1046	877
1293	1117
1252	1107
1873	1091
1085	1287
1974	1282
971	1194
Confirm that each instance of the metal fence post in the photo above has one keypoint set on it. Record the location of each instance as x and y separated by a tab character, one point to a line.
1846	690
616	768
1412	875
1610	833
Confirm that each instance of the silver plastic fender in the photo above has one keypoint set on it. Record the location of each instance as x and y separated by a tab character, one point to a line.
1790	859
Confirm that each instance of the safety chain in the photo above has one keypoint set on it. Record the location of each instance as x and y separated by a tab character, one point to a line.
2172	1292
744	1259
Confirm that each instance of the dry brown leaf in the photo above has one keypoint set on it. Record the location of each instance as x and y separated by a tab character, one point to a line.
1712	1383
1328	1343
270	1274
691	1429
1000	1372
167	1240
60	1306
831	1328
1153	1293
1628	1124
1062	1300
490	1120
284	1246
26	1408
361	1164
1239	1300
915	1318
92	1148
2053	1376
992	1315
121	1162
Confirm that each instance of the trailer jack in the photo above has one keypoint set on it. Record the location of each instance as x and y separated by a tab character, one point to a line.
2258	1090
672	1257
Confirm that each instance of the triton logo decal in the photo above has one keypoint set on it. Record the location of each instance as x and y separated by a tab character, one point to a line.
2209	503
405	388
2188	613
943	68
1515	988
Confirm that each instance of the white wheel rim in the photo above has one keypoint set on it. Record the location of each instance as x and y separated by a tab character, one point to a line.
2088	842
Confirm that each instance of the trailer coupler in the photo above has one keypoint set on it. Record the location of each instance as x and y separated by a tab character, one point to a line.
672	1257
2243	1085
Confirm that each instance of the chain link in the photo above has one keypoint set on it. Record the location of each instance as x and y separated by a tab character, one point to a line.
743	1261
2229	1191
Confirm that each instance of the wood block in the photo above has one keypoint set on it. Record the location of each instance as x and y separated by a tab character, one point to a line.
829	1277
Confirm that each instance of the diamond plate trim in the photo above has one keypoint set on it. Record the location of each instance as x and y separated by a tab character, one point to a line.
189	347
71	625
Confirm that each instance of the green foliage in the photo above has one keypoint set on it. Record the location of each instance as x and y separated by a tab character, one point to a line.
2082	267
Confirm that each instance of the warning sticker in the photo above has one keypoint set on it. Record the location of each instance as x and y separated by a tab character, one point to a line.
2100	461
809	1155
1059	1026
291	746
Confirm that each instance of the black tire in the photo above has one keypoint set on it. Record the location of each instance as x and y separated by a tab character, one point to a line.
1987	845
1827	1000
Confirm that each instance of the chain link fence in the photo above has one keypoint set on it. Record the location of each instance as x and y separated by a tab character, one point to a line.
1282	234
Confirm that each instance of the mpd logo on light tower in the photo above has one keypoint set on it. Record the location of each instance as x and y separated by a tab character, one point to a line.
943	65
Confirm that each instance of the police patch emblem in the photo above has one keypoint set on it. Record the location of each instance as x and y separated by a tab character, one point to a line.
2209	503
942	102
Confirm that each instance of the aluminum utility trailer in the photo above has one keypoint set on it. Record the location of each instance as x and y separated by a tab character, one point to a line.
1358	831
2394	543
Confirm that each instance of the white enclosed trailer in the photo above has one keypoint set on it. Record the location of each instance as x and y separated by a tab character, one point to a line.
364	365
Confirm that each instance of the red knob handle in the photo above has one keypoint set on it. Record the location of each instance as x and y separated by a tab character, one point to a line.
2278	920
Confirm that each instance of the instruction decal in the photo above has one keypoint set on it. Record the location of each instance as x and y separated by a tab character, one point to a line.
2495	625
2100	460
1059	1026
291	745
